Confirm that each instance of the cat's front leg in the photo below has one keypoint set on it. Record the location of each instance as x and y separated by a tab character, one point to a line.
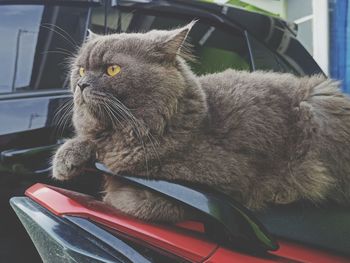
71	158
143	204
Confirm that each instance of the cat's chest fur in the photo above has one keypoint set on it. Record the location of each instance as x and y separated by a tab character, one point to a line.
120	151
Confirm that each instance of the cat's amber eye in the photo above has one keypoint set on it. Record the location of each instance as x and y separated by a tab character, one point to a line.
81	72
113	70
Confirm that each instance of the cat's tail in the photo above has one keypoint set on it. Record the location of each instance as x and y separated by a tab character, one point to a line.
330	114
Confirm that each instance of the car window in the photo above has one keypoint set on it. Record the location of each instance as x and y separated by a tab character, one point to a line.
215	49
265	59
36	42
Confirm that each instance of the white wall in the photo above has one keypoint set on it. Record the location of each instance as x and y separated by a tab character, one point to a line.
300	12
320	33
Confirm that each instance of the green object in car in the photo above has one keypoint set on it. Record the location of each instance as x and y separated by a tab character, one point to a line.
244	5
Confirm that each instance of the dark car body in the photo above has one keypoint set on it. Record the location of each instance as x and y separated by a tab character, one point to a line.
38	38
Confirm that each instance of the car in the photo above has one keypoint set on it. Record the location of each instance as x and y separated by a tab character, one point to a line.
67	226
40	36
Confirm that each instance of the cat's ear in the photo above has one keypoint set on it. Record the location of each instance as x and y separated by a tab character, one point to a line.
175	43
90	35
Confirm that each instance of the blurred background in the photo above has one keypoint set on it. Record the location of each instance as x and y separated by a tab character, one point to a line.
322	29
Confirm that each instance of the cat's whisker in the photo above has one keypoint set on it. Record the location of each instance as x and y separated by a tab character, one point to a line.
65	118
61	115
59	124
154	148
129	118
101	111
71	42
62	30
66	50
60	109
55	52
112	115
106	102
139	126
66	122
66	105
116	109
139	137
146	132
120	112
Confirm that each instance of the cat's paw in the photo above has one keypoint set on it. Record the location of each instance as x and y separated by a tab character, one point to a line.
145	205
71	158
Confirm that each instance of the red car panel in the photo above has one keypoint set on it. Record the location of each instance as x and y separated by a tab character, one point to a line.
174	239
62	202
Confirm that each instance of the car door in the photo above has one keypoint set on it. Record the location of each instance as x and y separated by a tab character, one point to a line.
37	41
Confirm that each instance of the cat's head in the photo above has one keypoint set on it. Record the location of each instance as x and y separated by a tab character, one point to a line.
119	75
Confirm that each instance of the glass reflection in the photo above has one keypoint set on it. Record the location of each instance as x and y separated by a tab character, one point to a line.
19	27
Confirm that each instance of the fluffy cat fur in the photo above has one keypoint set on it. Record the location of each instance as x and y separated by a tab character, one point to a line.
261	137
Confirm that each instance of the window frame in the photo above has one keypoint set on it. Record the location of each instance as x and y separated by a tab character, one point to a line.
251	38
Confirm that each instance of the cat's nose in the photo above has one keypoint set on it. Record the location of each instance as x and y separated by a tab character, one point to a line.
82	86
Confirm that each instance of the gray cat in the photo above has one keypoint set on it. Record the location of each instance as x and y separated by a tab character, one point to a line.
262	137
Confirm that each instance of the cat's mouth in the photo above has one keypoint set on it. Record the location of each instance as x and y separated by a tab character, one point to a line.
96	100
78	97
85	96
